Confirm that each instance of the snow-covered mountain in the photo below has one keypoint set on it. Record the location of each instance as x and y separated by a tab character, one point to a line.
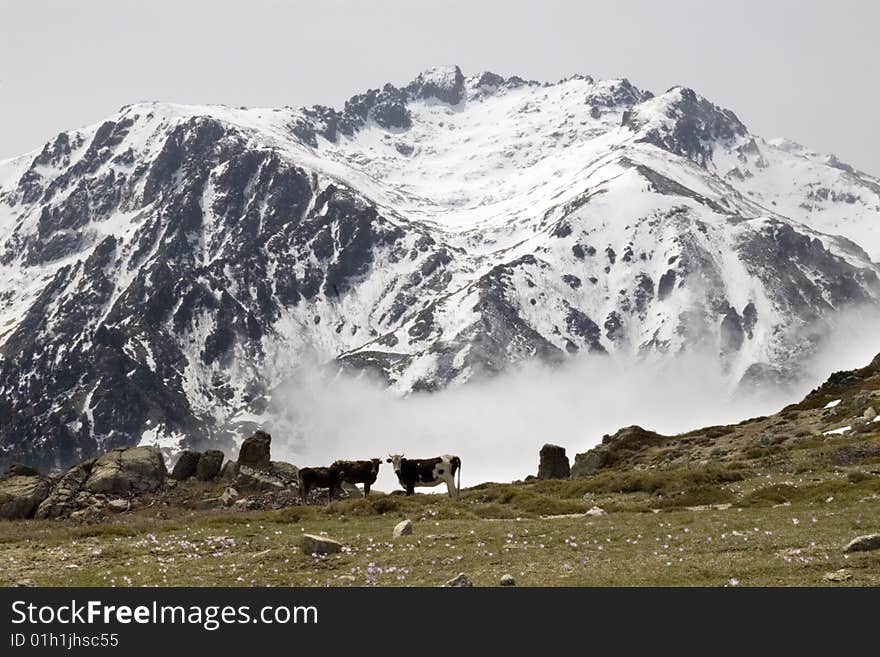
161	272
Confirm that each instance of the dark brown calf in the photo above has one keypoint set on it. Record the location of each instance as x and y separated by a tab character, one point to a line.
309	478
359	472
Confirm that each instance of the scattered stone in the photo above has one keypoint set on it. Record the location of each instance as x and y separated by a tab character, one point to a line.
312	544
186	465
596	511
88	514
127	470
842	575
229	496
20	496
118	505
870	414
553	463
507	580
460	580
255	479
864	543
24	582
254	451
209	465
403	528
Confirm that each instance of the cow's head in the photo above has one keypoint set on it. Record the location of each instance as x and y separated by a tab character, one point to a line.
395	460
376	463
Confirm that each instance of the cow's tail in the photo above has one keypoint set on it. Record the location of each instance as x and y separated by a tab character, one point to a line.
458	474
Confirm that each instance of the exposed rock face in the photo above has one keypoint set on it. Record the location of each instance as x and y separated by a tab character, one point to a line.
589	463
20	495
127	470
614	450
168	222
554	463
209	465
63	498
254	451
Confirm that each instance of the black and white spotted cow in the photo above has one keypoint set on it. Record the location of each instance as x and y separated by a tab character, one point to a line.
427	472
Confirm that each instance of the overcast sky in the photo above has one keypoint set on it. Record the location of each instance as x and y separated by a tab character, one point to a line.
804	70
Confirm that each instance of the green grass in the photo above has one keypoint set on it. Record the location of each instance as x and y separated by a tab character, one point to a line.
775	533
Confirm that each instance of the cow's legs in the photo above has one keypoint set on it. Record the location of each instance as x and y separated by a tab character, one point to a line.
366	489
450	486
304	495
410	489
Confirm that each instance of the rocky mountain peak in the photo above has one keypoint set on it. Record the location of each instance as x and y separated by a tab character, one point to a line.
445	83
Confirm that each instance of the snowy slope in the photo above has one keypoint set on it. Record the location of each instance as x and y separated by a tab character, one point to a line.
163	271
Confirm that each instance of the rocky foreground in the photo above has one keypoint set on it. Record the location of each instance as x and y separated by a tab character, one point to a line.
788	499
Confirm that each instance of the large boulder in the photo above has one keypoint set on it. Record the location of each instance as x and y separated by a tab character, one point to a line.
20	495
254	451
229	472
209	465
311	544
186	465
127	470
866	543
64	497
554	463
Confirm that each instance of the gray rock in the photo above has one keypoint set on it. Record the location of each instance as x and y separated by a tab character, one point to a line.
228	473
254	479
127	470
842	575
589	463
286	472
507	580
118	505
460	580
554	463
870	414
186	465
255	450
64	497
403	528
596	511
864	543
311	544
351	490
229	496
20	496
209	465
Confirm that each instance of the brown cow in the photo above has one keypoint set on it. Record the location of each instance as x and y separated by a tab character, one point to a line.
330	478
359	472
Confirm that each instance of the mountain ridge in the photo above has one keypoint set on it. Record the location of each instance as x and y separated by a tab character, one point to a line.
167	268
